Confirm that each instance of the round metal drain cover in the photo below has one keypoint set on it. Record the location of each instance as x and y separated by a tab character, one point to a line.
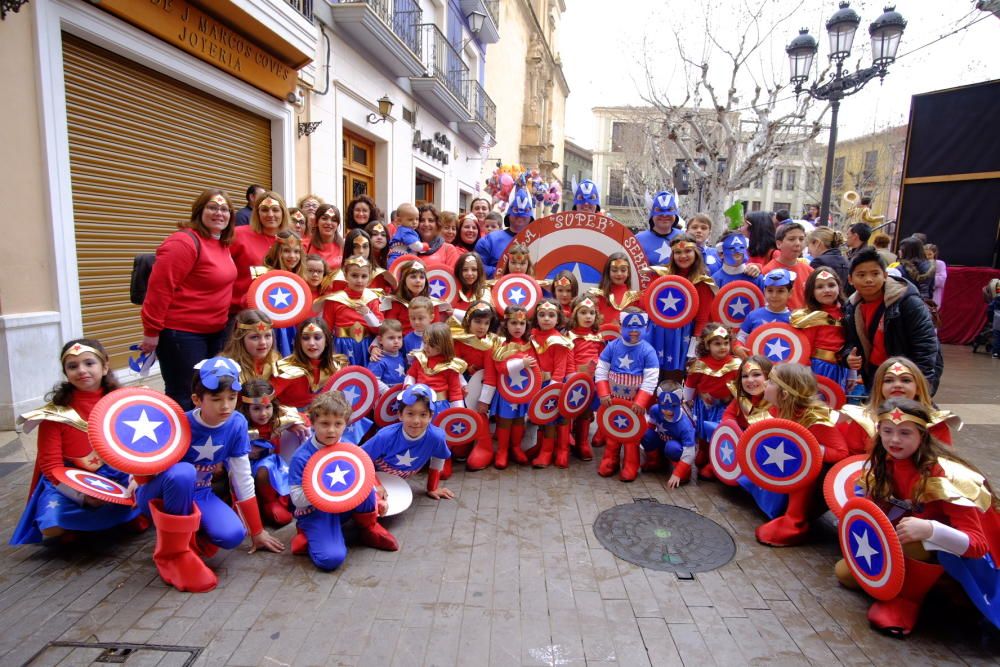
664	537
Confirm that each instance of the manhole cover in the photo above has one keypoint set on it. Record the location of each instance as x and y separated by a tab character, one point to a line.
664	537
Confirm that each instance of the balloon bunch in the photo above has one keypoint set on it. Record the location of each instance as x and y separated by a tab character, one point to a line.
506	177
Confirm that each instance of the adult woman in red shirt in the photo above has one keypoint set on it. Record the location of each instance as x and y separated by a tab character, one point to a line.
251	243
326	240
439	251
188	297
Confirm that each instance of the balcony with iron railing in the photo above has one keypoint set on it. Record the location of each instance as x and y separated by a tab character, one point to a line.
304	7
387	30
444	85
483	115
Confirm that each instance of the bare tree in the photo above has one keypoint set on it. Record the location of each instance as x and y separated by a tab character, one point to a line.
730	138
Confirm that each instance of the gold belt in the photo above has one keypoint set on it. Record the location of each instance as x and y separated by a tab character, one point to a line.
825	355
355	332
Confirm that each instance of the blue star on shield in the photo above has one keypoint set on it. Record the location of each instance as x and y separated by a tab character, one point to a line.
339	476
738	307
279	297
671	301
516	295
774	454
727	452
458	428
866	548
99	484
621	423
141	428
550	405
437	288
777	349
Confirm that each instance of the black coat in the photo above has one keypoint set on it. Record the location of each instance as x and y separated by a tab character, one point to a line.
909	331
834	260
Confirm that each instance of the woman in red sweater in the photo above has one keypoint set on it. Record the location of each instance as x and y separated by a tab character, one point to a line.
251	243
326	240
53	508
438	251
189	293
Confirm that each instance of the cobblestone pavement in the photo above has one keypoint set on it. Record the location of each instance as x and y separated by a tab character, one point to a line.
508	574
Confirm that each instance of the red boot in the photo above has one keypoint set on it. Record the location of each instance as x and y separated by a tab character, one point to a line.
630	469
176	563
792	527
544	456
373	534
598	440
581	428
482	453
460	453
654	460
446	470
300	543
562	446
272	505
503	447
516	436
897	617
611	460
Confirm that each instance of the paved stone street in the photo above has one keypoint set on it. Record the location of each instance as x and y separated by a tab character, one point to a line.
508	574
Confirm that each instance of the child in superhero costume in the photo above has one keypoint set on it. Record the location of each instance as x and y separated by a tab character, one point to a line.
180	500
584	324
53	508
319	534
671	435
628	369
555	356
950	521
474	343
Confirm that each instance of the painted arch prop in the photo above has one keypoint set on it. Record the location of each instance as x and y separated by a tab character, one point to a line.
581	243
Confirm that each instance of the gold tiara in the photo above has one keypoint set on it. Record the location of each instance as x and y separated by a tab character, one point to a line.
259	327
824	275
469	259
517	316
545	305
258	400
219	199
77	349
587	302
619	262
268	202
684	245
562	281
313	328
718	332
773	377
357	260
752	366
899	369
897	416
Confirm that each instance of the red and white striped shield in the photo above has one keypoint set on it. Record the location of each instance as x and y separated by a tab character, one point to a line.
618	423
722	452
360	387
544	407
139	431
671	301
338	478
461	426
779	455
842	482
94	485
780	342
734	302
441	283
386	410
871	549
577	395
283	296
516	289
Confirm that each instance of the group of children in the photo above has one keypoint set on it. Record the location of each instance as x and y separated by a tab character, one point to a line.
262	412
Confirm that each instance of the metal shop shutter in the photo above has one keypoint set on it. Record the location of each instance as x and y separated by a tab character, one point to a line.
142	147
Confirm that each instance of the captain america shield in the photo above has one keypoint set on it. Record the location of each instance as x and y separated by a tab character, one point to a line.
360	387
779	455
386	410
281	295
518	387
94	485
780	342
397	265
722	452
871	549
544	407
734	302
577	395
441	283
338	478
139	431
842	482
619	423
516	289
671	301
830	392
461	426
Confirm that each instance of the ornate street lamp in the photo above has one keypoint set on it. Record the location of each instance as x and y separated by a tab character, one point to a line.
886	32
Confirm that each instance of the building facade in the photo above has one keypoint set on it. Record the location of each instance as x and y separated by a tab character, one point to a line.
529	87
872	166
127	110
579	164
